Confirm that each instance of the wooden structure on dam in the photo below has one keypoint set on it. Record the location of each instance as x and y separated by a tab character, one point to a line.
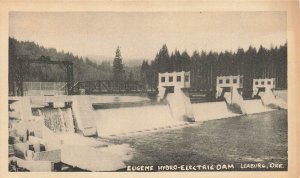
71	87
18	84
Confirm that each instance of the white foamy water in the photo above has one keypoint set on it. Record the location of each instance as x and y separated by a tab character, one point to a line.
58	120
84	114
255	106
126	120
235	98
211	110
268	98
109	158
251	106
281	103
180	105
86	152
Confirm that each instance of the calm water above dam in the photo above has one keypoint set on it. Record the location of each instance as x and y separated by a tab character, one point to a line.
243	139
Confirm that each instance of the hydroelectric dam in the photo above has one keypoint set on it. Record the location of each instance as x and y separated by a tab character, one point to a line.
62	125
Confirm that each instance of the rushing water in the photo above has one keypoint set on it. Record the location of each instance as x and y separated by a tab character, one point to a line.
57	120
243	139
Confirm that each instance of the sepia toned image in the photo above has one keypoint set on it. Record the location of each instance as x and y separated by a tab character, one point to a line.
147	91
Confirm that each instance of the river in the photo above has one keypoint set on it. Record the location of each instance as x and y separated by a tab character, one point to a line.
243	139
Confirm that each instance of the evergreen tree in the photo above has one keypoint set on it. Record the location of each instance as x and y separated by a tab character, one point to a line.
185	61
251	63
143	76
178	61
195	69
162	59
172	62
118	70
130	77
204	67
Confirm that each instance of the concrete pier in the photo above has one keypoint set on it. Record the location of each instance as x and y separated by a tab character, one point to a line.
84	115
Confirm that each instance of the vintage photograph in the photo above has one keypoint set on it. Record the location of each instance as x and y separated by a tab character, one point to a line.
147	91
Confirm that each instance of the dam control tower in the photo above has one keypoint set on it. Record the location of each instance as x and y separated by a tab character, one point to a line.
262	85
171	82
230	88
171	87
263	88
228	83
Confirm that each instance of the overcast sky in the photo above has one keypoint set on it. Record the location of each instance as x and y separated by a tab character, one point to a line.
141	35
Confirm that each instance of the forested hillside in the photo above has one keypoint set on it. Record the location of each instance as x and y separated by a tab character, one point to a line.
84	68
206	66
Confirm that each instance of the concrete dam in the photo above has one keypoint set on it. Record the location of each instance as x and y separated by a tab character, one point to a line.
103	116
60	121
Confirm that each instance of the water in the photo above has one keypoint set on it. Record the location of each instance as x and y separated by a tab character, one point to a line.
116	98
58	120
242	139
211	111
128	120
255	106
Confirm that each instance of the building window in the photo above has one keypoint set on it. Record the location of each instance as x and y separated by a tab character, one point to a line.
220	81
178	78
234	80
241	80
269	82
262	82
170	79
186	78
256	83
227	81
163	79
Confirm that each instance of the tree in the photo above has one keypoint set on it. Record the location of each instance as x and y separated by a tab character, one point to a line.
162	60
144	69
130	77
118	68
84	68
178	64
185	61
195	69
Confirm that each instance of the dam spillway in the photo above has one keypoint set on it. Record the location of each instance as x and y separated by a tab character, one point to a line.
116	115
119	115
84	115
117	120
58	120
129	120
211	111
105	115
112	116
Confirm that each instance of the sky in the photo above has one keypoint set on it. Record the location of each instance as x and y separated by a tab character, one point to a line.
140	35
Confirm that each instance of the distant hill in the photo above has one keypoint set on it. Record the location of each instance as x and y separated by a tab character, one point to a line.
99	59
133	62
85	69
128	62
